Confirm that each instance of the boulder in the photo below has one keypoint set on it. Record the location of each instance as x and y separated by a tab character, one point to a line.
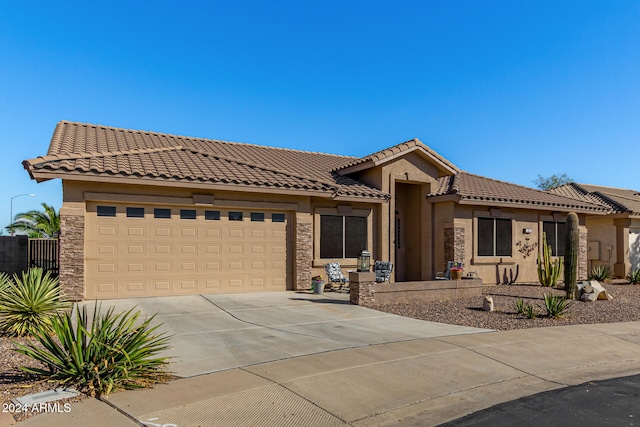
592	290
487	304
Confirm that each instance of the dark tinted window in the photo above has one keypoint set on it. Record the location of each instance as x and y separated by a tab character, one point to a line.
235	216
212	215
187	214
277	217
494	237
135	212
485	236
161	213
503	237
106	211
555	236
355	235
257	216
331	236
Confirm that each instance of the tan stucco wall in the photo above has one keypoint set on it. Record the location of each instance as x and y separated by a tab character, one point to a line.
602	241
525	247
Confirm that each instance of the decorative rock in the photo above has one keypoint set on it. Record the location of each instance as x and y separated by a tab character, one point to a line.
487	304
592	290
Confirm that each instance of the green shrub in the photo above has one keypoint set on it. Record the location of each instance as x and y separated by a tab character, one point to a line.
601	273
100	354
28	303
556	305
634	277
530	311
520	306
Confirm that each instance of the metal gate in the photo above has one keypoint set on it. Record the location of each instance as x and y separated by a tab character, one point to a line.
44	253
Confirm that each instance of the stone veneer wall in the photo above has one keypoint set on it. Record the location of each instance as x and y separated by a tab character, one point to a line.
583	272
454	244
304	255
72	256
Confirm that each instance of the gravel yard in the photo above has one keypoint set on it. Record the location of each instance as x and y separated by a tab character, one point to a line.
623	307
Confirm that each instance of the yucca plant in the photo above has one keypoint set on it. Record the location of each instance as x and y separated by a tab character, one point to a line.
556	306
28	302
520	306
634	277
530	311
101	353
601	273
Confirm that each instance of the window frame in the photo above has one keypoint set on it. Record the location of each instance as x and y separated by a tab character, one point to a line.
130	210
495	242
111	211
340	211
557	246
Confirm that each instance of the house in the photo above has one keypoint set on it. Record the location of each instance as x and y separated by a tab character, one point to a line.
614	239
149	214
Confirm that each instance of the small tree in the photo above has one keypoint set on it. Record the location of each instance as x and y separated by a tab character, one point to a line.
37	224
552	182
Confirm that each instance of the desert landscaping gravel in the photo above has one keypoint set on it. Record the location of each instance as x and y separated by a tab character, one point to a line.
623	307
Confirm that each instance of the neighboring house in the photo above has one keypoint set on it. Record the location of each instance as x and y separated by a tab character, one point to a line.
153	214
614	239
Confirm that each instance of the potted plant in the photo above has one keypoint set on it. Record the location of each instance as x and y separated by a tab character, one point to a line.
456	271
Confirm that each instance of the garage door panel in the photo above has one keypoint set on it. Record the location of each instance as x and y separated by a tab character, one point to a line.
160	256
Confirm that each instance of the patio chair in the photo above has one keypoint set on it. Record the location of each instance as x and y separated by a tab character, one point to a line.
334	273
446	275
383	271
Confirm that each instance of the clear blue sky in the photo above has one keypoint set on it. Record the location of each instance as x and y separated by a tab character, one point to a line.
505	89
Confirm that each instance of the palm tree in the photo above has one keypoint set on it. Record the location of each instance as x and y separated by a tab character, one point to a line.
37	224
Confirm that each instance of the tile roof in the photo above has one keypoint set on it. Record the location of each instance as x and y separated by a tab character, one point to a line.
475	189
618	200
397	150
79	149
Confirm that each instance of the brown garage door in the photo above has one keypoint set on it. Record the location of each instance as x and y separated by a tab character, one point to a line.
134	251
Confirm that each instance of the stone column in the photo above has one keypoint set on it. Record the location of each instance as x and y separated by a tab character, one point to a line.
362	288
454	244
71	242
304	255
583	269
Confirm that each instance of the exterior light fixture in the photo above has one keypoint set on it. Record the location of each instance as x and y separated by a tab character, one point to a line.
364	261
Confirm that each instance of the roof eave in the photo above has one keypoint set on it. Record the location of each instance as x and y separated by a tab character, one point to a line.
531	206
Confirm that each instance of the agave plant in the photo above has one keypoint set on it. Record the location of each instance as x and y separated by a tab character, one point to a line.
101	353
601	273
634	277
29	302
556	306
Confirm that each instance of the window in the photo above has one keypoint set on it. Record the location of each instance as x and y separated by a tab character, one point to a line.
277	217
106	211
235	216
187	214
342	236
555	232
257	217
212	215
162	213
135	212
494	237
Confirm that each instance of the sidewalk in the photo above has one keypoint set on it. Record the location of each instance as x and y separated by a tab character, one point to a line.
418	382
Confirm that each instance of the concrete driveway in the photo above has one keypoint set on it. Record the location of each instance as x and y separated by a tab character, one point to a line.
218	332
